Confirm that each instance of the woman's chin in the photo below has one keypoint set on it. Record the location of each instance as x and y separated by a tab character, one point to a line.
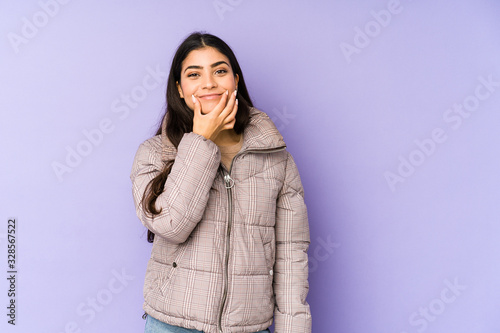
208	106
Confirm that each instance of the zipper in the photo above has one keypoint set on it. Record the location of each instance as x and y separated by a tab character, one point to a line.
229	184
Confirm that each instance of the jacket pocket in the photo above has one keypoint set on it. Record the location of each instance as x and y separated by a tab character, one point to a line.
166	277
170	270
269	251
270	254
153	276
269	244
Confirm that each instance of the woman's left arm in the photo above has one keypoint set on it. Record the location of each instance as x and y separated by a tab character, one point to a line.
292	313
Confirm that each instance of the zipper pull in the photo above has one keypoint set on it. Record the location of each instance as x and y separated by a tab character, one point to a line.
229	182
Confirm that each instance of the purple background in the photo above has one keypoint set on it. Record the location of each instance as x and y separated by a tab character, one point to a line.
420	255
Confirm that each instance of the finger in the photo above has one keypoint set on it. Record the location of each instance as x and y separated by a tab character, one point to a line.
220	106
229	125
231	103
230	117
230	120
197	106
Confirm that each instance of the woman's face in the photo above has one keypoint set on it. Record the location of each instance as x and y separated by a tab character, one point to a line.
207	74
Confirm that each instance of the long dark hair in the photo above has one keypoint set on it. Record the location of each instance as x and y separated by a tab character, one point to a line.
179	117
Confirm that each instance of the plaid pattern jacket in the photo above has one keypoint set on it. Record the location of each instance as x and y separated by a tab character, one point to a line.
231	245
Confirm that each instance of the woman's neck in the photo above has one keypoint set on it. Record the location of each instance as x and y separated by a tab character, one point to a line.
227	138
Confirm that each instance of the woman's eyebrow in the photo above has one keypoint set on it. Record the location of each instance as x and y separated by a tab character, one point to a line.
215	64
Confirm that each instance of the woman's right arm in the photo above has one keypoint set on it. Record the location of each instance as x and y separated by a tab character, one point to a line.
186	189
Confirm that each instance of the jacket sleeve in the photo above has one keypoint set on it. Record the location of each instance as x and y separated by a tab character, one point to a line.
186	189
292	313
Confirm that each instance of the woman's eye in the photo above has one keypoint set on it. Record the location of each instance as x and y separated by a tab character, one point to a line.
193	74
221	71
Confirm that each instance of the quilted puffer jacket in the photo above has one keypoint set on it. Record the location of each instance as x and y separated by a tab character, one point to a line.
230	249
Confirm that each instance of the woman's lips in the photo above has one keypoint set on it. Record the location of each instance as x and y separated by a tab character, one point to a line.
211	96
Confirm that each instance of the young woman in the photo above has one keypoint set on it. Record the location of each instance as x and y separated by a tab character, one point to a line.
223	202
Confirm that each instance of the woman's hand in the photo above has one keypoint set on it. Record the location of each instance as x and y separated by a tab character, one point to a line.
221	118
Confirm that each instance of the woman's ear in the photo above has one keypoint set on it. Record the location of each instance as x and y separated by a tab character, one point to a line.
236	79
179	89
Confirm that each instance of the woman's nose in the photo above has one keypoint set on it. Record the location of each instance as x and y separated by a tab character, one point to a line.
209	82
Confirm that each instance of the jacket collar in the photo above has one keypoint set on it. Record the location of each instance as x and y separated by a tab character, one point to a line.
260	134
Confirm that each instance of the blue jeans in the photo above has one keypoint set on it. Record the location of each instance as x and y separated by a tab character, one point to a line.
155	326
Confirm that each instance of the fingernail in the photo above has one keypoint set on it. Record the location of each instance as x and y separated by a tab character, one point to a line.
235	92
227	92
194	99
236	101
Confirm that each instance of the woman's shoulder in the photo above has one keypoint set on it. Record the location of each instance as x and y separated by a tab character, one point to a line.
262	129
150	148
262	119
148	156
153	143
257	113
